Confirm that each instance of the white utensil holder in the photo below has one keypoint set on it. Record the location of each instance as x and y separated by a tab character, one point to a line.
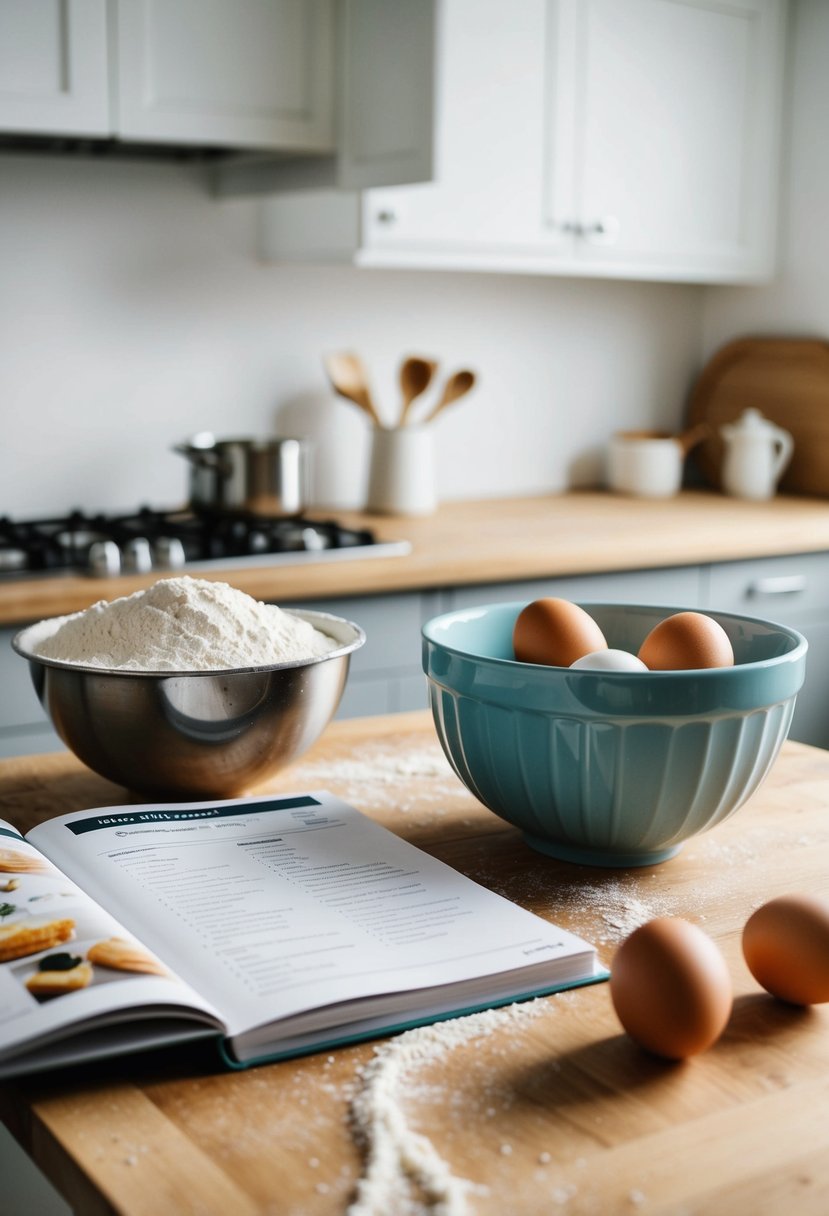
402	479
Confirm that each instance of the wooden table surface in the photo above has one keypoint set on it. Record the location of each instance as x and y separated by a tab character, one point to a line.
554	1109
491	541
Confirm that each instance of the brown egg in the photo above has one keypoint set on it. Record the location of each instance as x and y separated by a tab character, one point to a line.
555	632
685	641
670	988
786	946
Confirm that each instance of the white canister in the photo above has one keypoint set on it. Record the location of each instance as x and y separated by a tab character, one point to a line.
402	478
647	464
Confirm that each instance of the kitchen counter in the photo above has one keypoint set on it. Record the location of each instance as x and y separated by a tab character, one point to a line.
555	1109
493	540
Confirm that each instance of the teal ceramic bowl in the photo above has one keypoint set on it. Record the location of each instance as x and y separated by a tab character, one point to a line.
609	768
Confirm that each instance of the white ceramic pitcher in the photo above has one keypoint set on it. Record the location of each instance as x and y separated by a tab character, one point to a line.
756	455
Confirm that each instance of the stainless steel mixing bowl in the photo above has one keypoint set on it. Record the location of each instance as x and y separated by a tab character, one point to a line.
213	734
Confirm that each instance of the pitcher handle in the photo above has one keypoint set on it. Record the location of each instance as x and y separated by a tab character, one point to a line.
785	448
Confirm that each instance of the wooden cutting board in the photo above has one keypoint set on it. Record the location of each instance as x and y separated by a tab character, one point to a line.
787	380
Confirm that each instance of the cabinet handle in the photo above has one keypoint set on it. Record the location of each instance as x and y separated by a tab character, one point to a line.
789	584
386	216
602	231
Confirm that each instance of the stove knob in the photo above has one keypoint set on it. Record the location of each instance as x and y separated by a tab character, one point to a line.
13	559
169	553
258	542
138	558
313	540
104	559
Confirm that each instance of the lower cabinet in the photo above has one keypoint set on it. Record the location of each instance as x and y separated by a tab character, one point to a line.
675	587
386	675
24	728
793	590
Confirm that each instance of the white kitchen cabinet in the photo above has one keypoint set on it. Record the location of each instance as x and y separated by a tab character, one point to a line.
383	122
675	105
252	73
616	138
240	74
53	67
286	92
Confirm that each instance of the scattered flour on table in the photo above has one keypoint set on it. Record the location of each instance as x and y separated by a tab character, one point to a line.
382	775
398	1159
182	624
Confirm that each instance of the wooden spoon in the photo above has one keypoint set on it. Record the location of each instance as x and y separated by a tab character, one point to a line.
415	377
348	378
456	386
694	435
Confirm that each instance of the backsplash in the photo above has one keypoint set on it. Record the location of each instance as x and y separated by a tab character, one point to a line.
134	313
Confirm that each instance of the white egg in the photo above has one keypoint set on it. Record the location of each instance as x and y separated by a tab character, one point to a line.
608	660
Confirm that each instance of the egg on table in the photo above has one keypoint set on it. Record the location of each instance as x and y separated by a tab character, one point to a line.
786	946
670	987
686	641
555	632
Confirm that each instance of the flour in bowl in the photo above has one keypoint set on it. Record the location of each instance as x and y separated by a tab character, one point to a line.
181	624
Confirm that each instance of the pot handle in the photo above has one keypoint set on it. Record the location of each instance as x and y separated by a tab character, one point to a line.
203	457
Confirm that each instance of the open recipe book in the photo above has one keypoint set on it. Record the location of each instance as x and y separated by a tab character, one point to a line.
277	925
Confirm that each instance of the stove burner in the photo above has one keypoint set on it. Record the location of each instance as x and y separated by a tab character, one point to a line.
147	540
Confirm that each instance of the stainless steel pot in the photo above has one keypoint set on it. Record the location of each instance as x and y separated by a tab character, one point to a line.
264	476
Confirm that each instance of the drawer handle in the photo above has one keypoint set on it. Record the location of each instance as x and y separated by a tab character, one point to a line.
782	585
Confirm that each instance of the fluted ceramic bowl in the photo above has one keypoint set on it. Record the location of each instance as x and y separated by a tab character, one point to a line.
609	768
211	734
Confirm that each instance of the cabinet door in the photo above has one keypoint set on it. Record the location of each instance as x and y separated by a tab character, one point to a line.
387	63
24	725
490	116
793	590
241	73
385	675
53	67
674	106
675	587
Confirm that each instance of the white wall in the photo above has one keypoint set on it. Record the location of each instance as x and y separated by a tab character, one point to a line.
134	311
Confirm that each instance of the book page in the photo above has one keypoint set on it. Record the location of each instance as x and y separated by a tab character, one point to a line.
273	906
63	959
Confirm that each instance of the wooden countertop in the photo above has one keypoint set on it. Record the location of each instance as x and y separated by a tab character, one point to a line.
556	1109
495	540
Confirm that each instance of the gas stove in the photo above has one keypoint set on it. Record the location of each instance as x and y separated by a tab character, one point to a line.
147	540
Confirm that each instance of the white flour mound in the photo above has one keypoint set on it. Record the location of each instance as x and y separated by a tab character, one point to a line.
183	624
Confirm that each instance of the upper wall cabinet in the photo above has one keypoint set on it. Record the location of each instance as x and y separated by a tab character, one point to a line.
225	73
615	138
251	73
53	67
